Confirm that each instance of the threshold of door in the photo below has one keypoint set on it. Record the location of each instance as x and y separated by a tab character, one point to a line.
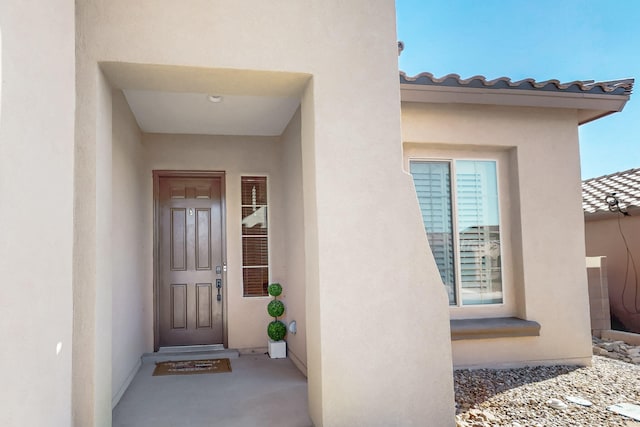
190	348
193	353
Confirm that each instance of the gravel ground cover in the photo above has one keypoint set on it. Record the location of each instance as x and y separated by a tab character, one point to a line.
520	397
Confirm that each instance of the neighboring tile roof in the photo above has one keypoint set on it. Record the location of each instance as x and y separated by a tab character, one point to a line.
615	87
624	185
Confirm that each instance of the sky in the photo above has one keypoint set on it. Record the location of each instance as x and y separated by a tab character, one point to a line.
565	40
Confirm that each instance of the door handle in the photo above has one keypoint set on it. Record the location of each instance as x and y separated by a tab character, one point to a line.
219	287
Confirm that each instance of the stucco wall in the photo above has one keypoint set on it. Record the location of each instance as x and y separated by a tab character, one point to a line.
132	296
364	251
547	270
598	295
133	163
246	317
91	374
37	103
292	211
603	238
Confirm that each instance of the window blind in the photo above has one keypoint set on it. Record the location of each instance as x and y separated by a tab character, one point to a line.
433	186
479	232
466	248
255	236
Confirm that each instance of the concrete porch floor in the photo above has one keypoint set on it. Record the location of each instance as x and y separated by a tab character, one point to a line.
258	392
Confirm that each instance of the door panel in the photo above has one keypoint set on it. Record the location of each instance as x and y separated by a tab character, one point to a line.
203	239
189	249
178	306
178	239
204	299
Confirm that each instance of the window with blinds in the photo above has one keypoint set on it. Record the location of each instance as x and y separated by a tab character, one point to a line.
433	186
255	236
459	204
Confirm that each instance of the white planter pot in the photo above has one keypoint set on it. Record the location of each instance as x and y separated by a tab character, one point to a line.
277	349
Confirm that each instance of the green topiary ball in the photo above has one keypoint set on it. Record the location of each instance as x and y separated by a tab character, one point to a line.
274	289
276	330
275	308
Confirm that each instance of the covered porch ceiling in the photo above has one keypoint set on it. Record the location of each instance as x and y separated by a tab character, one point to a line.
210	114
194	100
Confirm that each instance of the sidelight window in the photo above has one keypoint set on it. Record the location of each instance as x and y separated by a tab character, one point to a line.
255	236
459	204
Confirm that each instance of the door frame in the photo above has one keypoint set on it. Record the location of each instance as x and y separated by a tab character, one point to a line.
157	174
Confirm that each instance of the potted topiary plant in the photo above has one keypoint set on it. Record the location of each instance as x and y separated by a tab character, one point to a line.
276	330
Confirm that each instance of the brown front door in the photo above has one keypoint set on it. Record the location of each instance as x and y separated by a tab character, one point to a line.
190	260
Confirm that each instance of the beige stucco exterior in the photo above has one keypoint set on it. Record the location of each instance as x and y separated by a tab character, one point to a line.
320	251
604	238
135	156
543	262
346	235
598	295
132	301
37	105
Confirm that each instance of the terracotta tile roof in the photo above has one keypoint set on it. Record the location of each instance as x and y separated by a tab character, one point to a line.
624	185
614	87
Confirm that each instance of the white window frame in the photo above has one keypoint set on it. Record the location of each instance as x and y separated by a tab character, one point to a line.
501	158
268	235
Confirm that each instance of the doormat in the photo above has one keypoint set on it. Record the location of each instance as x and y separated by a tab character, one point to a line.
190	367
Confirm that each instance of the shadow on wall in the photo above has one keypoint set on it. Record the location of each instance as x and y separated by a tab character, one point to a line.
616	238
625	310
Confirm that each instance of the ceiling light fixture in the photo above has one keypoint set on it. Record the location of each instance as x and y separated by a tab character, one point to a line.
215	98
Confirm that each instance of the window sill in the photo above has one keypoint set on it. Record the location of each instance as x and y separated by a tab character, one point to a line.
495	327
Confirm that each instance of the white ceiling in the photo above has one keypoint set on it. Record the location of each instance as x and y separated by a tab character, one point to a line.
193	113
